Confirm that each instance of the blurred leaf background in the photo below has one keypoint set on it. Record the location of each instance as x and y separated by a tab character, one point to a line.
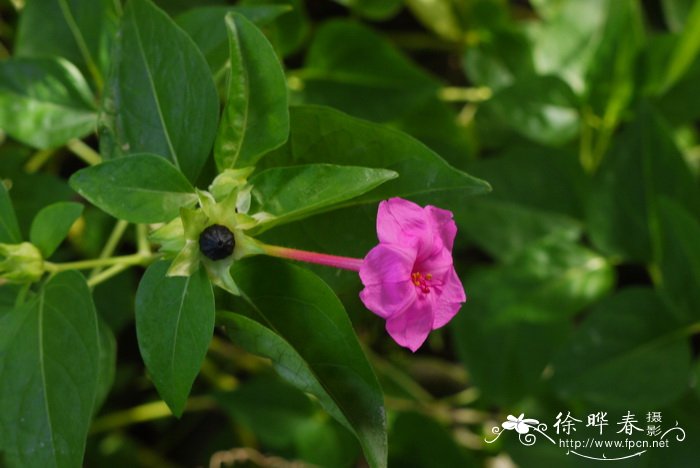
582	266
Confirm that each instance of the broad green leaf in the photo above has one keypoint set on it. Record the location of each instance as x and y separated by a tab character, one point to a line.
607	361
642	164
107	363
352	68
174	325
9	229
256	117
161	97
320	134
505	229
373	9
284	419
49	367
296	192
525	305
686	50
310	339
52	224
78	30
542	108
206	26
679	257
517	351
142	188
44	102
420	441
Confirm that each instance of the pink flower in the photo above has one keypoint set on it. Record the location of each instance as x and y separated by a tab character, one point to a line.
409	277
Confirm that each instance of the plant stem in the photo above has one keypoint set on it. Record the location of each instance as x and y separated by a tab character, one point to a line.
38	159
114	270
147	412
111	244
127	260
84	152
457	94
344	263
144	247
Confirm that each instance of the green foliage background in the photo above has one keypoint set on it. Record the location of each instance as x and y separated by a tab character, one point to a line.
581	267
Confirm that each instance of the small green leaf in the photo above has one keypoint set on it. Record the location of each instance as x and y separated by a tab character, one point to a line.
142	188
679	257
206	26
51	226
160	97
311	342
607	361
174	325
321	134
292	193
256	117
49	353
78	30
9	229
45	102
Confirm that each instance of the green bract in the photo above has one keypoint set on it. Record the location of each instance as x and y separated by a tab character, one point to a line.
20	263
226	204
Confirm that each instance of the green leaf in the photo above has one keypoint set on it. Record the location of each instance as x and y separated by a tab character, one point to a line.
686	50
142	188
642	164
525	305
287	32
607	361
107	363
419	441
174	325
542	108
9	229
206	26
373	9
256	117
293	193
504	230
676	13
283	418
319	135
354	69
160	97
500	60
311	342
78	30
440	16
49	367
679	257
51	226
44	102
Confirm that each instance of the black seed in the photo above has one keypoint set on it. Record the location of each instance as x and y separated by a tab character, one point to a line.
216	242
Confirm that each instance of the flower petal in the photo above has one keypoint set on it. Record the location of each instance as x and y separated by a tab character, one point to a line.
444	312
404	223
387	299
508	425
411	328
387	263
444	225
